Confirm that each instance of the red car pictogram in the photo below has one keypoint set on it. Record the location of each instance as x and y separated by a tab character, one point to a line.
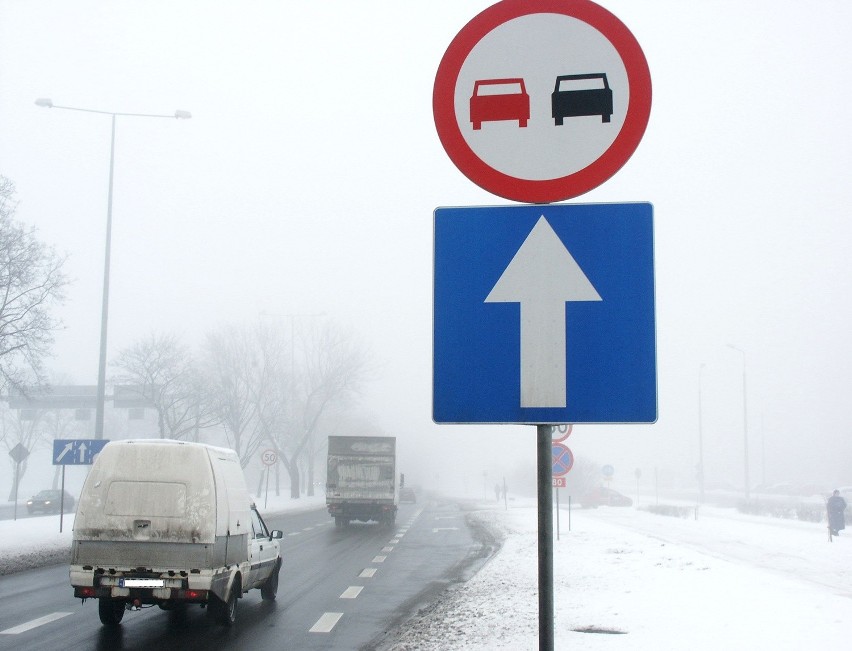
499	99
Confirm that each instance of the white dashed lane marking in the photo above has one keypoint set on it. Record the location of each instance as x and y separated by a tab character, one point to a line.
325	623
22	628
328	621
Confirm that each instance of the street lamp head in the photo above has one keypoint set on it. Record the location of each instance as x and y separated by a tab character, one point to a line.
44	101
181	115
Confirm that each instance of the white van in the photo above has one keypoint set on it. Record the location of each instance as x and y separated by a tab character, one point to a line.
170	523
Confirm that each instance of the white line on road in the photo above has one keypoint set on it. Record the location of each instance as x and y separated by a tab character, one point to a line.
379	559
294	533
368	572
387	549
436	530
21	628
326	623
352	591
394	541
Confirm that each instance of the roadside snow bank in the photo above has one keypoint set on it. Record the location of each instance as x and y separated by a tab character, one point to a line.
615	585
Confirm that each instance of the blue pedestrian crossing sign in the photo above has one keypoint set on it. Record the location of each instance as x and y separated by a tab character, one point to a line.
76	452
544	314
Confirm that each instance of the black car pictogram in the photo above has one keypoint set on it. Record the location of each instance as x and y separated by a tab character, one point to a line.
585	94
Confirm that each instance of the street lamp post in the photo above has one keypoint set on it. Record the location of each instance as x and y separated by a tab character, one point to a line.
745	424
179	115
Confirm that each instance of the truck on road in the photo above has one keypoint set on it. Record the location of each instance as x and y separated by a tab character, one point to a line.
170	523
361	480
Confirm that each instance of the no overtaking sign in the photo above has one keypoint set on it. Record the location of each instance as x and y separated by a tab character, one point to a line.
542	100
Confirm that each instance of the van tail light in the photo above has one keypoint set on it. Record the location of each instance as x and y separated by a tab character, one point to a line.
85	592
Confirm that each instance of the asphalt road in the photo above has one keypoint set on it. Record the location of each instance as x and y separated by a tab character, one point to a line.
339	589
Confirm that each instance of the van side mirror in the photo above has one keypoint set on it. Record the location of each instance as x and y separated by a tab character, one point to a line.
276	534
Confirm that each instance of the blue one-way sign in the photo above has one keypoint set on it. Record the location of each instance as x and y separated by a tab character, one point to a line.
76	452
544	314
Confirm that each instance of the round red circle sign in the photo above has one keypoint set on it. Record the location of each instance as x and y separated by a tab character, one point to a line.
542	100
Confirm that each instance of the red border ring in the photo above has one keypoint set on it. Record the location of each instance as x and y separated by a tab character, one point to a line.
572	185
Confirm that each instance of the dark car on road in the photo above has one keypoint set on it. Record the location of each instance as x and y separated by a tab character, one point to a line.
603	496
50	501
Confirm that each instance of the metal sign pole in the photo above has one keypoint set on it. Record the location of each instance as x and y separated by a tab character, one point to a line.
266	499
17	474
545	538
557	513
62	500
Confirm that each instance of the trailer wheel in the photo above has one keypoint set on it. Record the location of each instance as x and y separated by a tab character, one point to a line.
269	589
110	611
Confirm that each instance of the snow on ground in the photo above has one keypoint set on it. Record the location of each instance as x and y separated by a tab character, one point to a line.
627	579
624	579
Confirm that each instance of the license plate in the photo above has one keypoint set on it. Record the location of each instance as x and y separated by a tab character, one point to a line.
141	583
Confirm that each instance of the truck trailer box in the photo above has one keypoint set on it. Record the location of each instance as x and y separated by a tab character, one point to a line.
361	479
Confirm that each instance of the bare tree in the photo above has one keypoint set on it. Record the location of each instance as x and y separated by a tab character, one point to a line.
239	370
31	283
163	371
332	368
24	427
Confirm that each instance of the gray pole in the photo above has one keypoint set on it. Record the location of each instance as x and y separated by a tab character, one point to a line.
747	489
178	115
99	408
545	538
700	441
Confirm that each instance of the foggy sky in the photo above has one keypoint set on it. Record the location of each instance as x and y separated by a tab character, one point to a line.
306	180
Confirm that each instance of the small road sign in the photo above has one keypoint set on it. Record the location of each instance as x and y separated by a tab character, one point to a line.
608	471
563	460
560	482
76	452
269	457
19	453
564	432
542	100
544	314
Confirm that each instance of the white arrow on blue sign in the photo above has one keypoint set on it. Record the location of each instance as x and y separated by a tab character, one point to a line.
76	452
544	314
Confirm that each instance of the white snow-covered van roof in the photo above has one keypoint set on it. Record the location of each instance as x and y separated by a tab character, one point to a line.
181	491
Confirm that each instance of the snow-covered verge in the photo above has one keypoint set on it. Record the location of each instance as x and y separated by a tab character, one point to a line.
628	579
